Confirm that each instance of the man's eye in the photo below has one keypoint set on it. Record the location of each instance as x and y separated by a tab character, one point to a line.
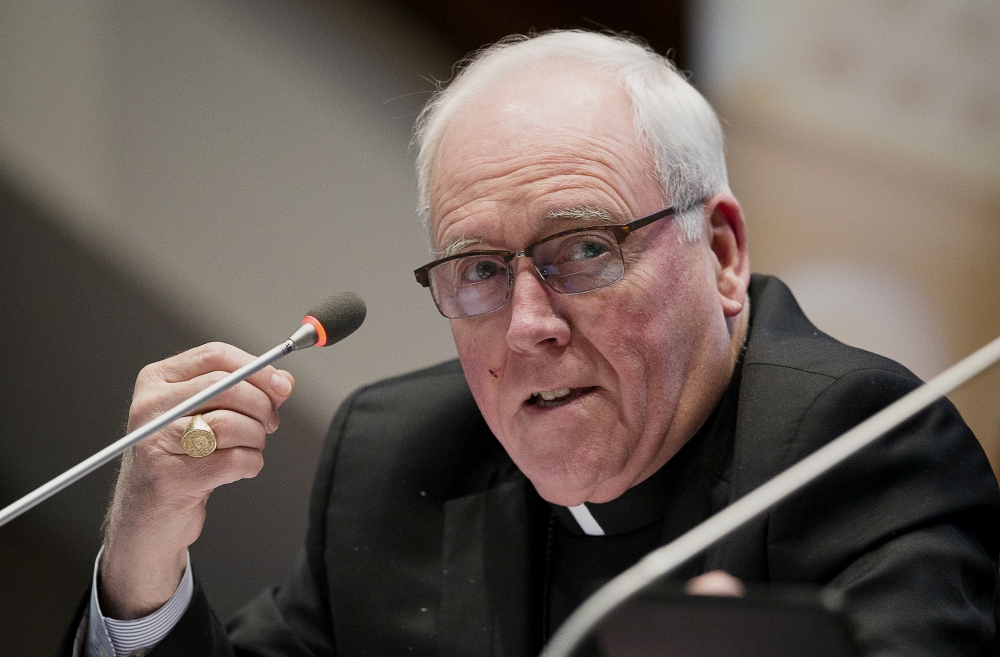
585	249
480	270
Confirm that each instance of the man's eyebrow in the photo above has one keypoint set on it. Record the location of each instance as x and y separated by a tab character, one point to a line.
588	213
458	245
585	213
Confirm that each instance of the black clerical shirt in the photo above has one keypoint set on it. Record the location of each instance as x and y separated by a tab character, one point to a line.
689	488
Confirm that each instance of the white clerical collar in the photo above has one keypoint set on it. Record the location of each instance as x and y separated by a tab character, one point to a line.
586	520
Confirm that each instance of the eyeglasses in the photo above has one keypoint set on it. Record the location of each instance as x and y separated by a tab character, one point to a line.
570	262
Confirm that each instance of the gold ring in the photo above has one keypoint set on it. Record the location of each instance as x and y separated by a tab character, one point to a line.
198	439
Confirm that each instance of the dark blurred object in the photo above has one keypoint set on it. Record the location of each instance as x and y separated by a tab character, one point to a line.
768	622
468	26
73	335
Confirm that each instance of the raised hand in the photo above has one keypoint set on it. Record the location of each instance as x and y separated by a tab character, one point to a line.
159	503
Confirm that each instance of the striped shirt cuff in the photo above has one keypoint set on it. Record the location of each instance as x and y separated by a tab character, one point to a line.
107	637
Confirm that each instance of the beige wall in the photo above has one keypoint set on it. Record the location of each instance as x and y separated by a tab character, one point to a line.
909	263
864	144
239	160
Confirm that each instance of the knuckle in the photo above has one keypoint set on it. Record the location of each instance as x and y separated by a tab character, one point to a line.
145	374
210	356
149	377
227	399
240	425
249	400
251	463
226	423
257	465
240	463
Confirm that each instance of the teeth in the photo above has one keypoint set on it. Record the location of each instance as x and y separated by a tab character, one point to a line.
549	395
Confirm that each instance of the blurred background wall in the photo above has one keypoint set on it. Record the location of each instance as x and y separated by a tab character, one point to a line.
864	143
193	170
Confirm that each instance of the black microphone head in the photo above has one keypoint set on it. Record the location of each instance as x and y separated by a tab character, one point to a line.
336	318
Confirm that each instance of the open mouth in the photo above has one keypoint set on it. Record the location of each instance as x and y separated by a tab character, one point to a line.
553	398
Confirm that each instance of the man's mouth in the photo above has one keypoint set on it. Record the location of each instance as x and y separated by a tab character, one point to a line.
558	397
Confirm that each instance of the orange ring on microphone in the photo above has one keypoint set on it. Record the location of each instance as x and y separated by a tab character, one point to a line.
320	331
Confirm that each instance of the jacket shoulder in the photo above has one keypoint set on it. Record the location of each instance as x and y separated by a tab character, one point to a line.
800	387
781	336
800	390
448	373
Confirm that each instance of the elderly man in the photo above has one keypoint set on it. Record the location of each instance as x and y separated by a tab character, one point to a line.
621	378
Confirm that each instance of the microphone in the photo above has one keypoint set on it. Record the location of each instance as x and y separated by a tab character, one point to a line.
326	323
332	320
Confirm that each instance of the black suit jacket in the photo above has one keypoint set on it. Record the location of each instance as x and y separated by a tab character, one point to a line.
424	538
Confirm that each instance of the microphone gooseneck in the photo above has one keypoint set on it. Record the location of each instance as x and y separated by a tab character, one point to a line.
332	320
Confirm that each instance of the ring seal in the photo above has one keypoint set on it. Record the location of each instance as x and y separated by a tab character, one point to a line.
198	439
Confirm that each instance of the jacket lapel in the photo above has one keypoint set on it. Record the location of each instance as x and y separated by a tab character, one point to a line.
487	598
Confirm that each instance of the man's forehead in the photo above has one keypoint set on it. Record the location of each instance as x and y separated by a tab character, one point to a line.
534	108
553	144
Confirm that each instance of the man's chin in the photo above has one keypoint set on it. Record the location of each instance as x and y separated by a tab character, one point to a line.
569	489
570	472
561	497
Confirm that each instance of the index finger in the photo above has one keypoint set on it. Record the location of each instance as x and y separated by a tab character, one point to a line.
221	357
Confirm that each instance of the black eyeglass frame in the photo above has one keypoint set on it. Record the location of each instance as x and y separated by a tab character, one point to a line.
620	231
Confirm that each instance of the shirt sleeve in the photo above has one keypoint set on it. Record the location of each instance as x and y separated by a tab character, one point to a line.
107	637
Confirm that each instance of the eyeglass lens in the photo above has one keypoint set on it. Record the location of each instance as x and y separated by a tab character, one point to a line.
570	264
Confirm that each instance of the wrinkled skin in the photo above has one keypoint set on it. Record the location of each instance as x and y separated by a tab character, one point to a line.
646	358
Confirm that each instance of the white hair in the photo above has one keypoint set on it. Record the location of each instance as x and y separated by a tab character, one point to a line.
670	117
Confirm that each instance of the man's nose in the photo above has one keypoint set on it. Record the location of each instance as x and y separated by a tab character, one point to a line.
534	323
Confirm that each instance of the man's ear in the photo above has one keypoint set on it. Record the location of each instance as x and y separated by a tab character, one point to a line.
728	242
